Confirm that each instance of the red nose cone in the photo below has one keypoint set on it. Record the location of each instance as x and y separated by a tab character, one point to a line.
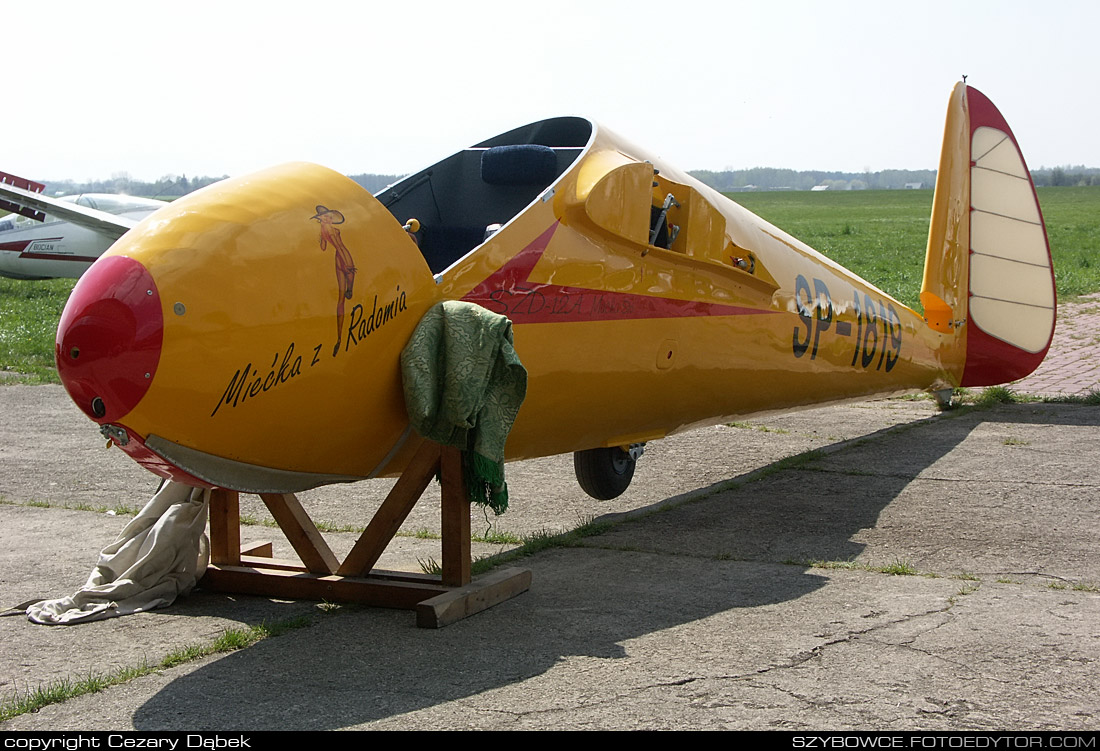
109	338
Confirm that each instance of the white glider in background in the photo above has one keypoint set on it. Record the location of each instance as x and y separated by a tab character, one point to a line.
49	237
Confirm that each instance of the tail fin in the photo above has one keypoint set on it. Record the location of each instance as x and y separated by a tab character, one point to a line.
988	276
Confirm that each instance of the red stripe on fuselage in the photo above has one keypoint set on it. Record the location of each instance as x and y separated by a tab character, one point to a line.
507	291
21	246
56	257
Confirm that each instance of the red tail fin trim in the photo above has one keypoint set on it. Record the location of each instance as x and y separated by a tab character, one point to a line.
989	360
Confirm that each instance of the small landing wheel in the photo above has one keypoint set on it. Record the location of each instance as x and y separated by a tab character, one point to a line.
944	399
604	473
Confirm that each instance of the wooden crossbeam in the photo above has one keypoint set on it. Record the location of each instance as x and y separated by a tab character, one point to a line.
438	600
293	585
393	512
301	532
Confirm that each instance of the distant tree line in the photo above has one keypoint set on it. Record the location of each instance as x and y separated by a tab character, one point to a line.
167	187
1066	176
174	186
375	183
758	178
770	178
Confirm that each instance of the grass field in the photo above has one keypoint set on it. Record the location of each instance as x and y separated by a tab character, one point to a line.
880	235
29	312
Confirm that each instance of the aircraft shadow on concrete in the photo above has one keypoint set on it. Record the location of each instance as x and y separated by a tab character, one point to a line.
361	665
1045	413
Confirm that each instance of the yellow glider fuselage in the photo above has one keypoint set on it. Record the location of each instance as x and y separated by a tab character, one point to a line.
247	336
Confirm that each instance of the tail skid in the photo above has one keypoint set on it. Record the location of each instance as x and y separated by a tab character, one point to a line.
988	276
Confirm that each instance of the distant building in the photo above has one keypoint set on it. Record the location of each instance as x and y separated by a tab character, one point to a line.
816	188
914	186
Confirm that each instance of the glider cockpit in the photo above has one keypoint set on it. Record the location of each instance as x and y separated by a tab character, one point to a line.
460	201
463	200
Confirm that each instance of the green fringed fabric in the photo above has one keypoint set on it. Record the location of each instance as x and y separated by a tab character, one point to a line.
464	385
485	482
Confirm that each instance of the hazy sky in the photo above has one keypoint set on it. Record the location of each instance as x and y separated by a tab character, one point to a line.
211	88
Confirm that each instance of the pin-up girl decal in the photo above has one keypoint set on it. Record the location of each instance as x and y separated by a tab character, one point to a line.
345	264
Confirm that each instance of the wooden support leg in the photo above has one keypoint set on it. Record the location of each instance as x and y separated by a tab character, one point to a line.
437	600
455	522
225	527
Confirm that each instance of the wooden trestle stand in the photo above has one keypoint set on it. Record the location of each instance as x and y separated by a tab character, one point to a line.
437	599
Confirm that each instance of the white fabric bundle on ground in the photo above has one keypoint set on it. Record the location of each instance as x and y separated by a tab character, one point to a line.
159	556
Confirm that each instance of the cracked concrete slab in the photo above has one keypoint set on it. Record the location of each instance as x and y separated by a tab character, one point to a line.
733	645
940	495
697	609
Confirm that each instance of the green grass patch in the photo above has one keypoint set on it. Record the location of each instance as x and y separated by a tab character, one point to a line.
966	400
64	689
537	542
422	533
790	462
118	509
323	526
757	428
1091	399
249	520
482	564
533	543
920	396
497	537
70	688
478	566
430	566
896	568
232	639
995	395
29	312
1078	587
